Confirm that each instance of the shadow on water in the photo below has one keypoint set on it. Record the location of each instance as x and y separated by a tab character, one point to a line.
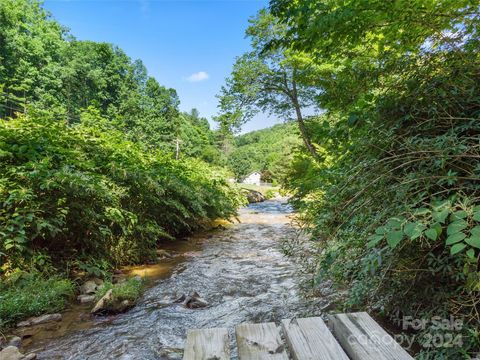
240	271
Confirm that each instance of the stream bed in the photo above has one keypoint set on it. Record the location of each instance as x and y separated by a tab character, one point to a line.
240	270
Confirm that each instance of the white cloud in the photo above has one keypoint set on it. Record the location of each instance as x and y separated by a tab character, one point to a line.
198	76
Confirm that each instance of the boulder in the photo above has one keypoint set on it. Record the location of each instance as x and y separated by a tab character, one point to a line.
89	287
163	253
40	320
194	301
180	299
121	307
14	341
11	353
85	299
102	304
253	196
31	356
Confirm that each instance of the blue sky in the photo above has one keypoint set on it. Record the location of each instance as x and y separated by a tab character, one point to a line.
189	45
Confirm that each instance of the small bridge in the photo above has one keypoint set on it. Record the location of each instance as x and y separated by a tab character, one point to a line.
354	336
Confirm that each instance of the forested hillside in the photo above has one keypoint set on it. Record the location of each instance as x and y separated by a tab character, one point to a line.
47	73
388	183
268	151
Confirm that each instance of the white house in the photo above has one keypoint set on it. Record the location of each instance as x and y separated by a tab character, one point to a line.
252	179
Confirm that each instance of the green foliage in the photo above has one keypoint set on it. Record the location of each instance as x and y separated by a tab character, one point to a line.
26	295
393	205
197	140
83	190
99	268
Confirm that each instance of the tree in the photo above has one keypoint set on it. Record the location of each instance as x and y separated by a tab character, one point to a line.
30	48
269	80
363	48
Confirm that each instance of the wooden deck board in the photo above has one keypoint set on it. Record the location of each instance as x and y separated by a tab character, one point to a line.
310	339
363	339
259	342
207	344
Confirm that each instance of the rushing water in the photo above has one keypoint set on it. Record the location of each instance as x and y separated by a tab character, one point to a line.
240	271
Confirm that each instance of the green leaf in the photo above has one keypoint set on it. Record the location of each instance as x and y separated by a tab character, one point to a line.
471	253
476	216
439	205
394	238
431	234
452	239
473	241
456	227
421	211
475	231
455	249
458	215
438	227
374	240
380	230
440	216
394	223
414	229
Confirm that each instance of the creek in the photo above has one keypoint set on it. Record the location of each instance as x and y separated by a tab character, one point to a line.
239	269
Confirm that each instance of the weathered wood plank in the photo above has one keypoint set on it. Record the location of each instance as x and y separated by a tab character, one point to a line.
207	344
310	339
363	339
259	342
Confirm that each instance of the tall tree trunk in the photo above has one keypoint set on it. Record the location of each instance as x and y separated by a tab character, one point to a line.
304	134
301	124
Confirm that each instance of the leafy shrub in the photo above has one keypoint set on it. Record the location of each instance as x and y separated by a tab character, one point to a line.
93	267
32	295
396	217
393	207
83	190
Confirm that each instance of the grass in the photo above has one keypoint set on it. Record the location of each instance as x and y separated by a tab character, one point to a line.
129	290
32	295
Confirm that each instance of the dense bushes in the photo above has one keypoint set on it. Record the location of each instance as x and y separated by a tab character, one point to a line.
395	207
83	190
393	202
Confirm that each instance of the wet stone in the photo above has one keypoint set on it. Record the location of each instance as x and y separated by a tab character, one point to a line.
40	320
85	299
11	353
